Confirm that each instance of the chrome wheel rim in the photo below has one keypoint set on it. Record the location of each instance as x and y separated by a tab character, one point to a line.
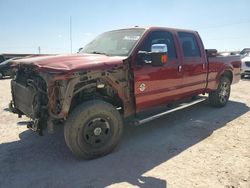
224	92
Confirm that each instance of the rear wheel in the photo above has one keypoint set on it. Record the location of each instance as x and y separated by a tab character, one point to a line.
220	96
93	129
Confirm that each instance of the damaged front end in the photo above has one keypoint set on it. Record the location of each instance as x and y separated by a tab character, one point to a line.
48	95
29	97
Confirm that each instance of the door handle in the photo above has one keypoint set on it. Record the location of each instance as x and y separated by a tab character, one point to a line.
203	66
179	68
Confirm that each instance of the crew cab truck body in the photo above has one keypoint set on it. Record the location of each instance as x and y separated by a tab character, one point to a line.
118	75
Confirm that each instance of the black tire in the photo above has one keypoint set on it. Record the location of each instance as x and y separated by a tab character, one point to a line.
93	129
220	96
242	76
1	75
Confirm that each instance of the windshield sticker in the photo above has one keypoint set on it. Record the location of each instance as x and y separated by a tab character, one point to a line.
131	37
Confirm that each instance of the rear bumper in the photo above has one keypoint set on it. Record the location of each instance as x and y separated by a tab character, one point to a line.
245	72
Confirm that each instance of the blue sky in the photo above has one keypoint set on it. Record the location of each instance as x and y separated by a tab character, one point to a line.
27	24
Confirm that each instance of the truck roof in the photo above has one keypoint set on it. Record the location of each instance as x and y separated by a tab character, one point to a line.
159	28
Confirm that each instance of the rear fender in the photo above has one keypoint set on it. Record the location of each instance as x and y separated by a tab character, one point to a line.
228	72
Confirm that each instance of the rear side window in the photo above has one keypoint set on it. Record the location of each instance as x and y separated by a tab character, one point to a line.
160	37
189	44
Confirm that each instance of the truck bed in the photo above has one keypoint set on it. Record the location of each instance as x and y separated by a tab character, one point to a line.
218	64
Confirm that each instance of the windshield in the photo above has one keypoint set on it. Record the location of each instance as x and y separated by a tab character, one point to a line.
114	43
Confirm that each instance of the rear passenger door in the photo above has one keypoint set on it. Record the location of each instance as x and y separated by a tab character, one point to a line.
194	66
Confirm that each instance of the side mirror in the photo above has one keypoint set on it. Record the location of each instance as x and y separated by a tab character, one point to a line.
79	50
159	48
157	57
143	57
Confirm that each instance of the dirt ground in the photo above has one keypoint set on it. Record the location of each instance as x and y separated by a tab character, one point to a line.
199	146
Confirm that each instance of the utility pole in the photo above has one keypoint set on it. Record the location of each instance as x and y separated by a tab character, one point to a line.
70	29
39	49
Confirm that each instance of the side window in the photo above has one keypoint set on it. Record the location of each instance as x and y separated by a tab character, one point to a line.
160	37
189	44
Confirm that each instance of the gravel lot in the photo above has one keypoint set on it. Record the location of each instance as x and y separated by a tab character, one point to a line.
199	146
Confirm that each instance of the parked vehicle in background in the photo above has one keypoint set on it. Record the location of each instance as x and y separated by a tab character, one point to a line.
5	65
229	53
119	75
245	66
5	68
245	51
6	56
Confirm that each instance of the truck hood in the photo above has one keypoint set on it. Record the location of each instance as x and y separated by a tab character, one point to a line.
70	63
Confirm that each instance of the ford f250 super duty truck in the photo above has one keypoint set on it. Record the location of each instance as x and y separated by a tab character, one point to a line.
118	76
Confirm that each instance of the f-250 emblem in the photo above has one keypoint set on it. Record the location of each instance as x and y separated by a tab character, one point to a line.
142	87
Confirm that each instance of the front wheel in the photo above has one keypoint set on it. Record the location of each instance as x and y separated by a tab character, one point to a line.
220	96
93	129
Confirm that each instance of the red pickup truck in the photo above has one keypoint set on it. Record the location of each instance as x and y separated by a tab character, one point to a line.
120	75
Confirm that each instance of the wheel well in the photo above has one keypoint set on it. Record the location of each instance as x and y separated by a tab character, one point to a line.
228	74
107	94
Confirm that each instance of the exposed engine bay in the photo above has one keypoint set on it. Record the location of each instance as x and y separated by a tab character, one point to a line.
29	97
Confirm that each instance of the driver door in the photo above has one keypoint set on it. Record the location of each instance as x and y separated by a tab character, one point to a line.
157	85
